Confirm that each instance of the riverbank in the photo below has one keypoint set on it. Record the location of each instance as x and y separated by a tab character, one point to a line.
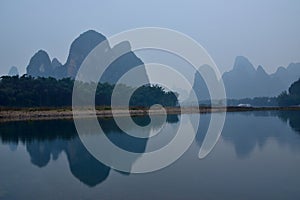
24	114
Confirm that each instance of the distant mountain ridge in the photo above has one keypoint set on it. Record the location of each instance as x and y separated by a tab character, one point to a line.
40	64
13	71
244	81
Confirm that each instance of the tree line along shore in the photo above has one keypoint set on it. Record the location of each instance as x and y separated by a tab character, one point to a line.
28	98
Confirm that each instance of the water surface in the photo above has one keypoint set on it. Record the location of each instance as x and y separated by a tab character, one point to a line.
257	157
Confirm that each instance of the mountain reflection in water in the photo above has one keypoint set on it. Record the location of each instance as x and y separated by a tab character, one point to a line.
47	140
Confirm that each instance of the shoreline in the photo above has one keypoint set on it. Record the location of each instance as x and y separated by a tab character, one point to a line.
29	114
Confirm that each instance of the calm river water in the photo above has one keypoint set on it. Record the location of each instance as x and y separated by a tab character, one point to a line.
257	157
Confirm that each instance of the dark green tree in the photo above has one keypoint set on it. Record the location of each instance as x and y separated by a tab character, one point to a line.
292	97
26	91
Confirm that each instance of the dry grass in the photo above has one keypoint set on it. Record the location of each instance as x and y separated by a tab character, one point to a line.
22	114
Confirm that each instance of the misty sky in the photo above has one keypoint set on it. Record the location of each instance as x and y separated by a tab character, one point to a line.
267	32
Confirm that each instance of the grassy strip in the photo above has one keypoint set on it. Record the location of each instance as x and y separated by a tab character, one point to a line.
36	113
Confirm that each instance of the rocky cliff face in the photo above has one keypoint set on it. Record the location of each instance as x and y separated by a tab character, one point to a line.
55	63
80	48
40	64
